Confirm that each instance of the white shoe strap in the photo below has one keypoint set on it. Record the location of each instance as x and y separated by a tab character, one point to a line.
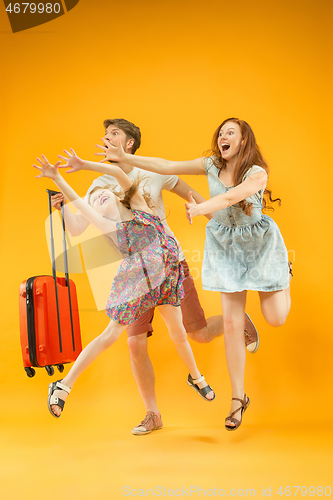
198	380
54	400
63	387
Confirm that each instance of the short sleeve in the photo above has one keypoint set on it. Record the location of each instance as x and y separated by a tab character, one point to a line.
209	164
169	181
253	170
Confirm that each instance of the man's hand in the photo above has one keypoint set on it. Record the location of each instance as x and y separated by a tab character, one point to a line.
73	162
46	169
188	216
112	152
192	208
56	200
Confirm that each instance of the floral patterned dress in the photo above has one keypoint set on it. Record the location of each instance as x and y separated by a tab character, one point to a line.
150	274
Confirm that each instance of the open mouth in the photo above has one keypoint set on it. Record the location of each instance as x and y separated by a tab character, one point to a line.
103	199
225	147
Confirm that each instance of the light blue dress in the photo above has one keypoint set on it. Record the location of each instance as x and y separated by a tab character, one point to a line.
242	252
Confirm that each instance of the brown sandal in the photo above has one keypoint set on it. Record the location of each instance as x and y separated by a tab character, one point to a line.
245	403
290	265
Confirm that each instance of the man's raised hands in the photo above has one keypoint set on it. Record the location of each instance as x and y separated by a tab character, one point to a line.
112	152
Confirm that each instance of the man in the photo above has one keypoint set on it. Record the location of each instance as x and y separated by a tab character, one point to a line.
195	323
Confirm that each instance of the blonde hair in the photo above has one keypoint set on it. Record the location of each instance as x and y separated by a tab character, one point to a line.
125	196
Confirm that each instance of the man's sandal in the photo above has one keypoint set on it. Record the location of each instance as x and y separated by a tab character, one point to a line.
251	335
244	405
52	400
193	382
290	265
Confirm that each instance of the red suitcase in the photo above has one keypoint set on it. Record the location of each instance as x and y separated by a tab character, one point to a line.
49	317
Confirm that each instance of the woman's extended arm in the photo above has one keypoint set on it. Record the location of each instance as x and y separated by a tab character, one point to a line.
74	163
115	152
51	171
252	184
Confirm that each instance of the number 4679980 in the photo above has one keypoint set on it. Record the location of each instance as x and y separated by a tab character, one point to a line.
32	8
304	491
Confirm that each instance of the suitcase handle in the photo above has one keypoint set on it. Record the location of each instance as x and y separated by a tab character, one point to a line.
54	272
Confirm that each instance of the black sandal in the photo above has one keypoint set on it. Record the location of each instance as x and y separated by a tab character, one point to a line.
193	382
52	400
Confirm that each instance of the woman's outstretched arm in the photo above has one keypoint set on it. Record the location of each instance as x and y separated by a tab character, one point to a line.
51	172
115	152
74	163
252	184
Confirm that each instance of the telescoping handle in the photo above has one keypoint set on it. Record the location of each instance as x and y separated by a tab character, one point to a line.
54	272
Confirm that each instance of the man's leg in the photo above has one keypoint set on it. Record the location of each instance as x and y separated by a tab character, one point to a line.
213	329
202	330
143	372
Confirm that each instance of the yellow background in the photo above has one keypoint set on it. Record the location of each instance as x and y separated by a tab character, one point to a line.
176	69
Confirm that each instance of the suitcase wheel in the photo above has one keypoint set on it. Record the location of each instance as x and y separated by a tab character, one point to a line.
60	368
50	370
30	371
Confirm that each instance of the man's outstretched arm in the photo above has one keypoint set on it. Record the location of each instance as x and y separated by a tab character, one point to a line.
182	189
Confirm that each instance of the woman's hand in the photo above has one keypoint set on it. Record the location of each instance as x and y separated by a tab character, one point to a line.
74	163
192	208
56	200
46	169
112	152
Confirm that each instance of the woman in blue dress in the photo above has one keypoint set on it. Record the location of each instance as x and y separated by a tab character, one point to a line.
244	249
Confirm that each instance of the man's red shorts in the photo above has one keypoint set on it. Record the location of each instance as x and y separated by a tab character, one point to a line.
193	314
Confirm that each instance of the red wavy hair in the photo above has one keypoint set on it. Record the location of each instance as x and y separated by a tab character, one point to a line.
249	155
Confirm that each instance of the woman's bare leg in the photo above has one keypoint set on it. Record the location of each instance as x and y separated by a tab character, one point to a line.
233	305
172	317
87	356
275	306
